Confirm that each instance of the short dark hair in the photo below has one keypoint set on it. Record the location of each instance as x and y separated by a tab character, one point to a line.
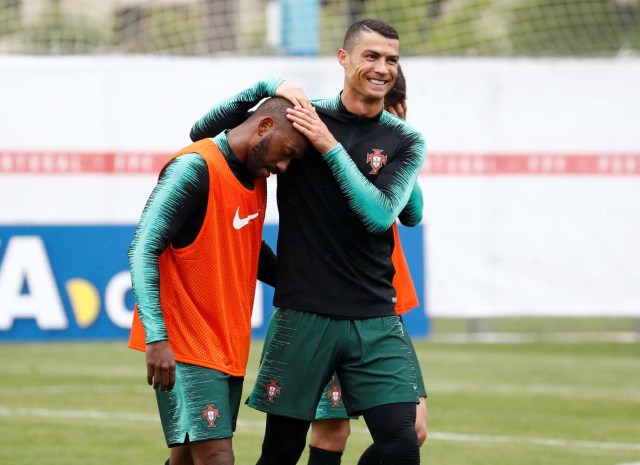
368	25
398	92
276	108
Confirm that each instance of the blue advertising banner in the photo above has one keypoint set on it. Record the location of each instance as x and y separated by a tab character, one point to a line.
72	283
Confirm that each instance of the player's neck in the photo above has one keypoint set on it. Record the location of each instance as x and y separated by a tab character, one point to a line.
360	106
236	140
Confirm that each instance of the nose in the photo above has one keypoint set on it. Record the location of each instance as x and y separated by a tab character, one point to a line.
381	66
282	165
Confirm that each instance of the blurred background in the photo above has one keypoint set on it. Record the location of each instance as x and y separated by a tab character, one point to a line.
535	28
526	261
530	108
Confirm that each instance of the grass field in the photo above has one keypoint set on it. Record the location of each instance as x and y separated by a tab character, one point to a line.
523	404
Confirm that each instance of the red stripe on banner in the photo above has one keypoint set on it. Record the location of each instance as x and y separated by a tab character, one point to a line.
532	164
59	162
125	163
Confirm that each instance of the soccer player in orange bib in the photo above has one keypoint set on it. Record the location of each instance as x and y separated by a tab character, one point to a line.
194	263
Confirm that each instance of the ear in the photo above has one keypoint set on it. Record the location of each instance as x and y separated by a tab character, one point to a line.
343	57
265	125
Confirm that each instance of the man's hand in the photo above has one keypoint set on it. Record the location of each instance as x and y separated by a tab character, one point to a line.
399	109
161	366
307	121
294	94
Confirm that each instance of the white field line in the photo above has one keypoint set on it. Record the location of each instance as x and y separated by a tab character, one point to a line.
437	436
65	389
520	338
76	414
561	390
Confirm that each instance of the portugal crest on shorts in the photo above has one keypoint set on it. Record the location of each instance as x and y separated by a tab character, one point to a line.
272	389
377	160
335	394
210	414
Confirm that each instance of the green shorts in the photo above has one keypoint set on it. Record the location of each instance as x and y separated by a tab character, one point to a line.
331	405
203	404
370	356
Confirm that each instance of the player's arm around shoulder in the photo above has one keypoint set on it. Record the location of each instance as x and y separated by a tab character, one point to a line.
414	144
409	163
231	111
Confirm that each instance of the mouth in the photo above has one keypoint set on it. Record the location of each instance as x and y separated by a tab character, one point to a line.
377	82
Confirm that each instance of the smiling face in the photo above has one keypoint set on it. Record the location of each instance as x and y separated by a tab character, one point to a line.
274	150
371	67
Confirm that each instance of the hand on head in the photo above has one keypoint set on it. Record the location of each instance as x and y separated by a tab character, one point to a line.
398	109
307	121
395	101
294	94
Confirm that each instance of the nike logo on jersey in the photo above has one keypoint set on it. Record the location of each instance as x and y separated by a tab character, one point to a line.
240	223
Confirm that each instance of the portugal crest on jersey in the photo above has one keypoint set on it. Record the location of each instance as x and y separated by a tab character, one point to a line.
335	394
376	160
210	414
272	389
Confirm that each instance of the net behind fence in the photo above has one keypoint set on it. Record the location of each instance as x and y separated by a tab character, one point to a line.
260	27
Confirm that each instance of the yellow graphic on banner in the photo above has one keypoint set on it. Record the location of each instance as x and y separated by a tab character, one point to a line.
85	301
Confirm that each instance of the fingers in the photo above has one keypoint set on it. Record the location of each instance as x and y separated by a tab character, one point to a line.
162	376
299	119
172	378
165	378
300	100
161	365
168	377
398	109
307	121
157	376
404	109
302	116
294	94
149	374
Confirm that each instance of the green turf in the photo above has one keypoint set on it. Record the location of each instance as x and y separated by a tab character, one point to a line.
537	325
520	404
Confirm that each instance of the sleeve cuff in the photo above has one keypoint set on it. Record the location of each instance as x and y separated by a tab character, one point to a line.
155	338
272	83
333	153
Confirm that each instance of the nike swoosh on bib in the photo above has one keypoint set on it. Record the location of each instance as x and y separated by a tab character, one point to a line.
239	223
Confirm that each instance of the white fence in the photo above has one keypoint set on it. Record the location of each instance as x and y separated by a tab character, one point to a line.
551	236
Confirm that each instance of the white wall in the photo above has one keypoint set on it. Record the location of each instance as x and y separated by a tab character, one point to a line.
497	245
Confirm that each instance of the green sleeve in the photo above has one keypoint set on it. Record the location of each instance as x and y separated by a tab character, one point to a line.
378	204
176	194
411	214
231	111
